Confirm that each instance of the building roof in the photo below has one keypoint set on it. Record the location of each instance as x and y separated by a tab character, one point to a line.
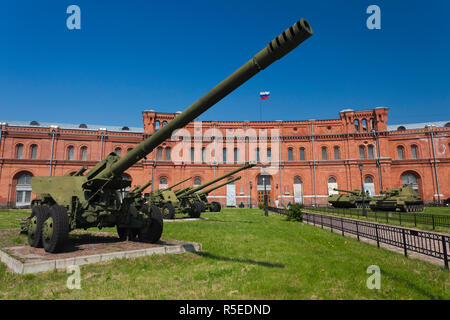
420	125
93	127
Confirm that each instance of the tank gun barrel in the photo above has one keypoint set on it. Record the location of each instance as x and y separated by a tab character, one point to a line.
276	49
81	171
347	191
219	186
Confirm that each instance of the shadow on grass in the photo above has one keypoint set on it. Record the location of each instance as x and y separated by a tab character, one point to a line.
412	285
259	263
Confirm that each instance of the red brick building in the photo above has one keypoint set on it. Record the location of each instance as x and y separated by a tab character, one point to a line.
301	161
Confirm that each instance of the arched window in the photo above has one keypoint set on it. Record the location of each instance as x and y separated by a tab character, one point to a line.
197	181
372	123
412	179
159	153
336	153
164	123
362	152
302	153
168	150
297	180
163	183
414	151
257	155
290	154
263	179
203	154
401	128
369	185
364	124
156	125
447	125
370	151
70	151
118	151
269	155
83	153
23	189
324	153
235	154
400	153
224	154
332	184
192	154
19	151
33	151
356	125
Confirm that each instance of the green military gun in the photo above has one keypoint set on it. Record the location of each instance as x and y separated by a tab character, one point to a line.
190	201
402	199
66	203
213	206
350	199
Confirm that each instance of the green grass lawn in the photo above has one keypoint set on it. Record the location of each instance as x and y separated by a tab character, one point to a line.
245	256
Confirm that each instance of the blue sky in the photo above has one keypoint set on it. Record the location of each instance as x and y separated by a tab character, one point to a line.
135	55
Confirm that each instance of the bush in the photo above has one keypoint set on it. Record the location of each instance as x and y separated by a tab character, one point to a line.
261	206
294	212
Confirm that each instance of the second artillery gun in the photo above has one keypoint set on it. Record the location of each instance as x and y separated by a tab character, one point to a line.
349	199
213	206
188	201
65	203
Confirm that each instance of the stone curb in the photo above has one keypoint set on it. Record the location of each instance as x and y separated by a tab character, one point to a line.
17	266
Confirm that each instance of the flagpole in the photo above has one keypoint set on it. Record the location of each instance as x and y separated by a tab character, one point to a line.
260	109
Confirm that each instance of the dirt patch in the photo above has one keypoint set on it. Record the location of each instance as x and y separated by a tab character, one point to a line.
84	243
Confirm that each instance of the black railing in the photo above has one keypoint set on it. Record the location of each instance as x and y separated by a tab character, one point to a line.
427	243
414	218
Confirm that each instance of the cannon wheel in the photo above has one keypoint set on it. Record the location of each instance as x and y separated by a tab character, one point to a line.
55	229
216	206
127	234
153	232
168	211
38	215
196	209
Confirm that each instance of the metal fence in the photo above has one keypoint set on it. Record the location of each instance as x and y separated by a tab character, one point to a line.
433	220
427	243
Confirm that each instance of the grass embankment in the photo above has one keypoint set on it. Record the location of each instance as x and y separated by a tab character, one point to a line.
245	256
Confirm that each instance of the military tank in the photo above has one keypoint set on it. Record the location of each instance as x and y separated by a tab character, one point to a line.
402	199
65	203
349	199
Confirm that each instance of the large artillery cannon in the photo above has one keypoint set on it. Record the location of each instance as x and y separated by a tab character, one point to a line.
187	200
66	203
351	199
213	206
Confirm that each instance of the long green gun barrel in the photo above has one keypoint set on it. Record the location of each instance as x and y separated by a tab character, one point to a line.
219	186
178	183
139	189
185	193
276	49
355	192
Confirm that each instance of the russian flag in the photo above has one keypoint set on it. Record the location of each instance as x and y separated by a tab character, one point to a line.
264	95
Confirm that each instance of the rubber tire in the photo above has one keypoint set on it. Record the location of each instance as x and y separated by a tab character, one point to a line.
171	211
60	229
217	207
153	233
196	209
41	213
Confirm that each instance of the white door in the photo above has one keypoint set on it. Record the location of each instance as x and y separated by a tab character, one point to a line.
370	187
298	193
231	195
331	186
